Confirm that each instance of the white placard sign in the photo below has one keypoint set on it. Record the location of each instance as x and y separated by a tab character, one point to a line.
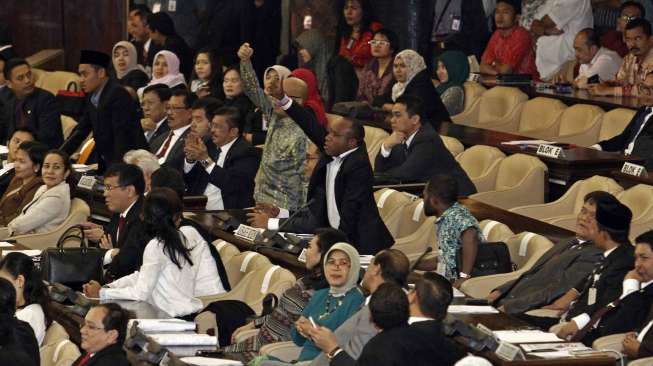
247	232
509	352
634	169
86	182
549	151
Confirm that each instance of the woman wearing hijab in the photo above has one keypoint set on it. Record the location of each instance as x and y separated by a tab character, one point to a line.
336	77
331	306
125	64
256	126
453	70
165	70
314	101
412	78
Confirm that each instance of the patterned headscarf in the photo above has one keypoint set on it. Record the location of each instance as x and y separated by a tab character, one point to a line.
414	63
133	59
354	268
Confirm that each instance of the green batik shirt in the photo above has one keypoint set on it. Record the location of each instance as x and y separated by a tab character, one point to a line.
450	227
280	178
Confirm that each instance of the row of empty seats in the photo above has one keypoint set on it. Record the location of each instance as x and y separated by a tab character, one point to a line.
508	109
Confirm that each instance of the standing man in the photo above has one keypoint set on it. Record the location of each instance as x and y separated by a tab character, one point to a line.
110	113
140	34
25	105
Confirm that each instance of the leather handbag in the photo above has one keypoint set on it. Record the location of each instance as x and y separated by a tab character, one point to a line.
73	266
491	258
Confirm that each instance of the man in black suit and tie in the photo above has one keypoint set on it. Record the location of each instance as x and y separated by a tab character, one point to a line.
155	111
7	172
630	311
414	152
124	237
558	270
603	285
25	105
223	168
637	138
110	113
169	148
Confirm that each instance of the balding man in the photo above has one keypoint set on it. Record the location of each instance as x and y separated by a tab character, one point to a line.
594	59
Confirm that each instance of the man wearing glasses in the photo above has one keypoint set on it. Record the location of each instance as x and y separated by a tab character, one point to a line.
614	38
103	333
169	148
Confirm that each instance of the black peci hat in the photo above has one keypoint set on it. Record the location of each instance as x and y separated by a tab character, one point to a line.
95	58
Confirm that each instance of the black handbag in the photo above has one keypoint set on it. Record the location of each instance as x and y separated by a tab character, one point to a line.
492	258
73	266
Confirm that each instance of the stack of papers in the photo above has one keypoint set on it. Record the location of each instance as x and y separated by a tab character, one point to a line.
184	339
205	361
27	252
526	336
472	309
527	142
554	350
163	325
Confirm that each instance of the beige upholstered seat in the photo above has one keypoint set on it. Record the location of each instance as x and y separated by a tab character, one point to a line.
647	361
537	113
411	218
525	249
415	243
495	231
390	204
284	351
640	201
452	144
578	124
611	342
481	164
373	139
473	92
568	206
57	349
241	264
497	105
614	122
67	125
79	212
520	180
226	250
53	81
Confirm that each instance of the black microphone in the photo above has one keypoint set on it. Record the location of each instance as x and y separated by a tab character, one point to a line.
420	258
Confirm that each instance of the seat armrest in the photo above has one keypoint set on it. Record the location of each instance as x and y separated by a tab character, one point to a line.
285	351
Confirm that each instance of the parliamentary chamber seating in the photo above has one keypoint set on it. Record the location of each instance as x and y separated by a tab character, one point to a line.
481	163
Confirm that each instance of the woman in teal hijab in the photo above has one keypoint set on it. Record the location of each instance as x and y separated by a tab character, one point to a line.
452	72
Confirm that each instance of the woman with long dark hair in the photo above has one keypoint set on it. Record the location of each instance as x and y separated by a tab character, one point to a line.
355	28
17	342
206	79
32	296
177	266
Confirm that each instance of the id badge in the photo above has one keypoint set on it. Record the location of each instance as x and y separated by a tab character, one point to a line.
172	6
455	24
156	7
591	296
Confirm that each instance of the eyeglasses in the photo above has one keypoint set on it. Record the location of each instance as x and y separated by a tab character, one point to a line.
109	188
377	42
336	263
89	326
627	18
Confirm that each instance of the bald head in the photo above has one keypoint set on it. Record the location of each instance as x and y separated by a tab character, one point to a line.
295	88
586	45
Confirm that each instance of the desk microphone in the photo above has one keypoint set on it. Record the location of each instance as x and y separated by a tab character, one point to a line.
420	258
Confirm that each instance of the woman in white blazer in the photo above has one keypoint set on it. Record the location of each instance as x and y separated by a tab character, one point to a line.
177	265
51	203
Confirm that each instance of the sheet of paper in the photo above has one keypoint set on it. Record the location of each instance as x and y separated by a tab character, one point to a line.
164	325
526	336
472	309
527	142
205	361
4	244
551	347
27	252
184	339
551	355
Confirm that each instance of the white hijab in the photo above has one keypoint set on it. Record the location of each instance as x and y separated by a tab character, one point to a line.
133	59
414	63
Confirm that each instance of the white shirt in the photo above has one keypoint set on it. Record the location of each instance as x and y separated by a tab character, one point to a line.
213	193
108	257
332	172
176	135
629	149
570	16
33	314
605	64
161	283
6	168
386	153
149	134
642	334
417	319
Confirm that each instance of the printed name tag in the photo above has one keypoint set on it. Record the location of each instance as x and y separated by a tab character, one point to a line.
634	169
302	256
86	182
247	232
591	296
509	352
549	151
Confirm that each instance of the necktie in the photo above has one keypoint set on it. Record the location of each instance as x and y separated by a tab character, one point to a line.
218	151
19	114
404	150
633	134
84	360
166	145
121	227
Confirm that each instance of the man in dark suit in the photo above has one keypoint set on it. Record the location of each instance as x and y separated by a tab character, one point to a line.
639	344
110	113
340	189
155	111
629	312
223	169
414	152
25	105
7	172
169	148
609	233
103	333
139	32
557	270
124	237
165	37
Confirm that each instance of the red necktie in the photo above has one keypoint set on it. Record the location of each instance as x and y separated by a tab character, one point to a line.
165	147
84	360
121	227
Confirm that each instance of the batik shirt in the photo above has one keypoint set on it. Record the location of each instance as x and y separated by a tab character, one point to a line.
450	227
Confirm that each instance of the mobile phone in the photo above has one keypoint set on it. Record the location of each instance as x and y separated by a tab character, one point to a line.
310	318
594	79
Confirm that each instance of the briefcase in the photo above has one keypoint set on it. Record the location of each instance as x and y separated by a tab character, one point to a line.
492	258
73	266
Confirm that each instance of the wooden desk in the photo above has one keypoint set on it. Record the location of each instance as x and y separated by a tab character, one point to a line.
627	180
576	164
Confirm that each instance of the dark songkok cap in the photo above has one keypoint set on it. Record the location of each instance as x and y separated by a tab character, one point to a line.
613	215
95	58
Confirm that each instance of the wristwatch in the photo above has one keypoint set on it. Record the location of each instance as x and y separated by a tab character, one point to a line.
333	353
206	163
464	275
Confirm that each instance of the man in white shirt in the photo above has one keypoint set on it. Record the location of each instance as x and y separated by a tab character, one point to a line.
169	148
594	60
155	106
556	24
